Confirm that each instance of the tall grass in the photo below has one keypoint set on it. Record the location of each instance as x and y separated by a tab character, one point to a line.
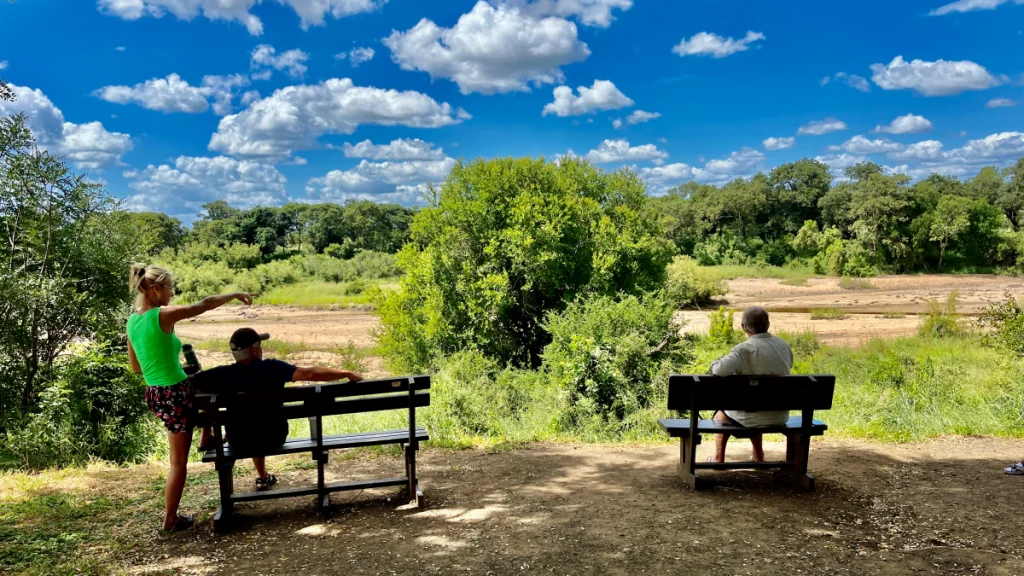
318	294
828	314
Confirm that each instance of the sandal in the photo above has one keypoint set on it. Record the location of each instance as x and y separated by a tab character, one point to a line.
265	483
184	523
1015	470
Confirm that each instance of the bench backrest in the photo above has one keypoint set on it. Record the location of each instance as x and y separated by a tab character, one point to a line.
750	393
402	393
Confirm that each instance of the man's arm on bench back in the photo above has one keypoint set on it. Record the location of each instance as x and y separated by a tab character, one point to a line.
323	374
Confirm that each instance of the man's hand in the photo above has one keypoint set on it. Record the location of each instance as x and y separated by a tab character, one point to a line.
353	377
244	298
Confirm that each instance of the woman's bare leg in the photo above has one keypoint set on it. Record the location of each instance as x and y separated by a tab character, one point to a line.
180	443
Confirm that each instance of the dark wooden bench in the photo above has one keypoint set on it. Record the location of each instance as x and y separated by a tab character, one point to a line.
693	393
218	410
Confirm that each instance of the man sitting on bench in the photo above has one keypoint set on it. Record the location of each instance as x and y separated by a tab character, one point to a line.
761	354
251	372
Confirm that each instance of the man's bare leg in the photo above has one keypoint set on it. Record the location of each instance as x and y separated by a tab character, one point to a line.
720	439
755	441
260	462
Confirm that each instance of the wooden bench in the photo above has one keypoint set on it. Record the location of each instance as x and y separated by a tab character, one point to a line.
693	393
218	410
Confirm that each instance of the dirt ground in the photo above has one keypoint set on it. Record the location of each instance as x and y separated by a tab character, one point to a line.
940	507
909	295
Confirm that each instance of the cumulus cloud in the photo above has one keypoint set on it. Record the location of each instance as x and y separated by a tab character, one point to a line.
266	56
662	177
292	118
639	117
617	151
999	149
3	64
357	56
87	146
851	80
402	182
707	44
311	12
181	190
837	162
779	143
921	151
861	146
740	164
909	124
491	49
939	78
172	94
822	127
996	146
603	95
970	6
401	149
1000	103
597	13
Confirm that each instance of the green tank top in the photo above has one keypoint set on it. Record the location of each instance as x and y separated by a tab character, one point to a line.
156	350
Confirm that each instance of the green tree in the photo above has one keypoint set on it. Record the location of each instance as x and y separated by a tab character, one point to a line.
1011	195
508	241
952	219
156	231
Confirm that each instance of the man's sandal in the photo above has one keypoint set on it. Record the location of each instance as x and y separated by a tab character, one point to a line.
265	483
1015	470
184	523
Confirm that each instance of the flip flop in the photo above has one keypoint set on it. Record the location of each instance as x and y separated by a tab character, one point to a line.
1015	470
184	523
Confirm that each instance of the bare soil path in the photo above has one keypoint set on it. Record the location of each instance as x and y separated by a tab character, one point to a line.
939	507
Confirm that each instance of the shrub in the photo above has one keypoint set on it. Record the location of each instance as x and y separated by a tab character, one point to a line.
942	319
611	358
828	314
801	281
505	243
722	330
1005	325
691	285
847	283
893	315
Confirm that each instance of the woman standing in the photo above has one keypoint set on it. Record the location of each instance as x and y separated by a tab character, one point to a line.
153	351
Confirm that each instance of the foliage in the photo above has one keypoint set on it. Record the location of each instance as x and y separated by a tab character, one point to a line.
828	314
722	329
504	243
847	283
1004	324
689	285
942	319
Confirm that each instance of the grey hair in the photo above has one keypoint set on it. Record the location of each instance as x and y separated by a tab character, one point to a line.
755	320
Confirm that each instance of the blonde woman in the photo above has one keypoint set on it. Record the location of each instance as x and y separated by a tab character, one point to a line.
153	351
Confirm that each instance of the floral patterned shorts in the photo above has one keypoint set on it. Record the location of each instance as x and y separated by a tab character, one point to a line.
173	405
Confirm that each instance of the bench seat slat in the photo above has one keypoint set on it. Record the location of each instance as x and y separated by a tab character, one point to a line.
330	443
678	428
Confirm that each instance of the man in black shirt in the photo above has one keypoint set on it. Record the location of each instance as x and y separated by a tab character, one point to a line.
251	373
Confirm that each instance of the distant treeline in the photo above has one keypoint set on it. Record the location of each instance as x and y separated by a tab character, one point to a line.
864	223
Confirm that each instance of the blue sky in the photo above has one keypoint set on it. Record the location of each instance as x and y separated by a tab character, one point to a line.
173	103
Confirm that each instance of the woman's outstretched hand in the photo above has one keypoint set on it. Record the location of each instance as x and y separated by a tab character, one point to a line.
244	298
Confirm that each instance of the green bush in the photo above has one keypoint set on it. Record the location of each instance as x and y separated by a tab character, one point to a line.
612	358
827	314
92	407
689	285
505	243
1004	324
722	330
942	319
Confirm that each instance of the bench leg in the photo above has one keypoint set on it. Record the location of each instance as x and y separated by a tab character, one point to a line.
687	454
323	498
225	479
800	447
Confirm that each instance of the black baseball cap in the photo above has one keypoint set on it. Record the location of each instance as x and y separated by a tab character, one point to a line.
244	338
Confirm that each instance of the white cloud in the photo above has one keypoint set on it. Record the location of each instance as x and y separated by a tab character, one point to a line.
401	149
491	49
262	75
861	146
1000	103
312	12
714	45
596	13
743	163
172	94
851	80
970	5
617	123
921	151
120	48
603	95
265	56
182	189
3	64
995	146
909	124
229	10
357	56
939	78
617	151
838	162
779	143
88	146
639	117
663	177
292	118
402	182
822	127
250	96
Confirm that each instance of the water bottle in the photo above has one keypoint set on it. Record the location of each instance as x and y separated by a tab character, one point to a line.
191	362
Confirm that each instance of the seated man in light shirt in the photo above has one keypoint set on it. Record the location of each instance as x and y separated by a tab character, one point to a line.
761	354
